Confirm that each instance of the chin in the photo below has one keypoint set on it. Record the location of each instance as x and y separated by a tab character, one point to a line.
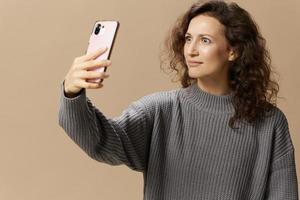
194	73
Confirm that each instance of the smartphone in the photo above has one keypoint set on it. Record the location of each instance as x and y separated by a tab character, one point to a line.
103	35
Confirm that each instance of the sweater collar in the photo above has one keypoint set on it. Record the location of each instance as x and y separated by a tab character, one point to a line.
207	101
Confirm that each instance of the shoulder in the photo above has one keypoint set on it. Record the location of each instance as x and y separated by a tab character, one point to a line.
281	127
281	123
154	102
279	117
282	141
159	98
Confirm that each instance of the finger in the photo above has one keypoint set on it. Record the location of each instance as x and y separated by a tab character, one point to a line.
94	64
92	74
90	85
92	55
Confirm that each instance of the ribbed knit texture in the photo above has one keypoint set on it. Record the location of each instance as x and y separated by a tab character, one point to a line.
181	141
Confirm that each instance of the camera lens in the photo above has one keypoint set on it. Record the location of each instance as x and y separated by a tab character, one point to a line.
97	30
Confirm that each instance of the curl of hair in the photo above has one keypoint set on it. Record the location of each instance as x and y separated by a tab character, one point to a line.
255	93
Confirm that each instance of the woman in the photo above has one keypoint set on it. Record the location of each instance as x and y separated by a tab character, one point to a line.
218	137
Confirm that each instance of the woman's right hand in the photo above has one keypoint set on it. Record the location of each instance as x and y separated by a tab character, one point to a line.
76	78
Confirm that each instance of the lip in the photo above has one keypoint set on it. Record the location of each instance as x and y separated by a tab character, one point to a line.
194	63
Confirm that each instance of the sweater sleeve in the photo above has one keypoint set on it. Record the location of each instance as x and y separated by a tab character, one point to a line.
282	183
121	140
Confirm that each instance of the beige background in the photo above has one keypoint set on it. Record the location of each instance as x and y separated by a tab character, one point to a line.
40	39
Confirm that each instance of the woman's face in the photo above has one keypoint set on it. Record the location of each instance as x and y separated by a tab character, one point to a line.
205	42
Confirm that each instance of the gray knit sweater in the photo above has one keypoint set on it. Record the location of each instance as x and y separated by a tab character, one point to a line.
181	141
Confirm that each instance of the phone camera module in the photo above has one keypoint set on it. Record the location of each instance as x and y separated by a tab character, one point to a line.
97	30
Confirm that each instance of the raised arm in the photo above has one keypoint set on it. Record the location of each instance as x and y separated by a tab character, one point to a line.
121	140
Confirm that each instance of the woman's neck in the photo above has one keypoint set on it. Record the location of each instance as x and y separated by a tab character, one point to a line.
214	87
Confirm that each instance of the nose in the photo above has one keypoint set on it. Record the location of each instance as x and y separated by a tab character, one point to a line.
192	49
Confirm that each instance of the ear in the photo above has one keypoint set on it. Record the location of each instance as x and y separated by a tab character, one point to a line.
232	54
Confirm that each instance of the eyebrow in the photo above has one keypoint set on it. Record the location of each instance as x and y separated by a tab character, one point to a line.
200	35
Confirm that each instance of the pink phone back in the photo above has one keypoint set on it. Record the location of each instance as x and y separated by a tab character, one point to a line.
104	38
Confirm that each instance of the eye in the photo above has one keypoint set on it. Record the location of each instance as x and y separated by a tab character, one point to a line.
206	40
186	38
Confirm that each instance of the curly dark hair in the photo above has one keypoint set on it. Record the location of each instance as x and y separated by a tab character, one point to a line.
249	74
